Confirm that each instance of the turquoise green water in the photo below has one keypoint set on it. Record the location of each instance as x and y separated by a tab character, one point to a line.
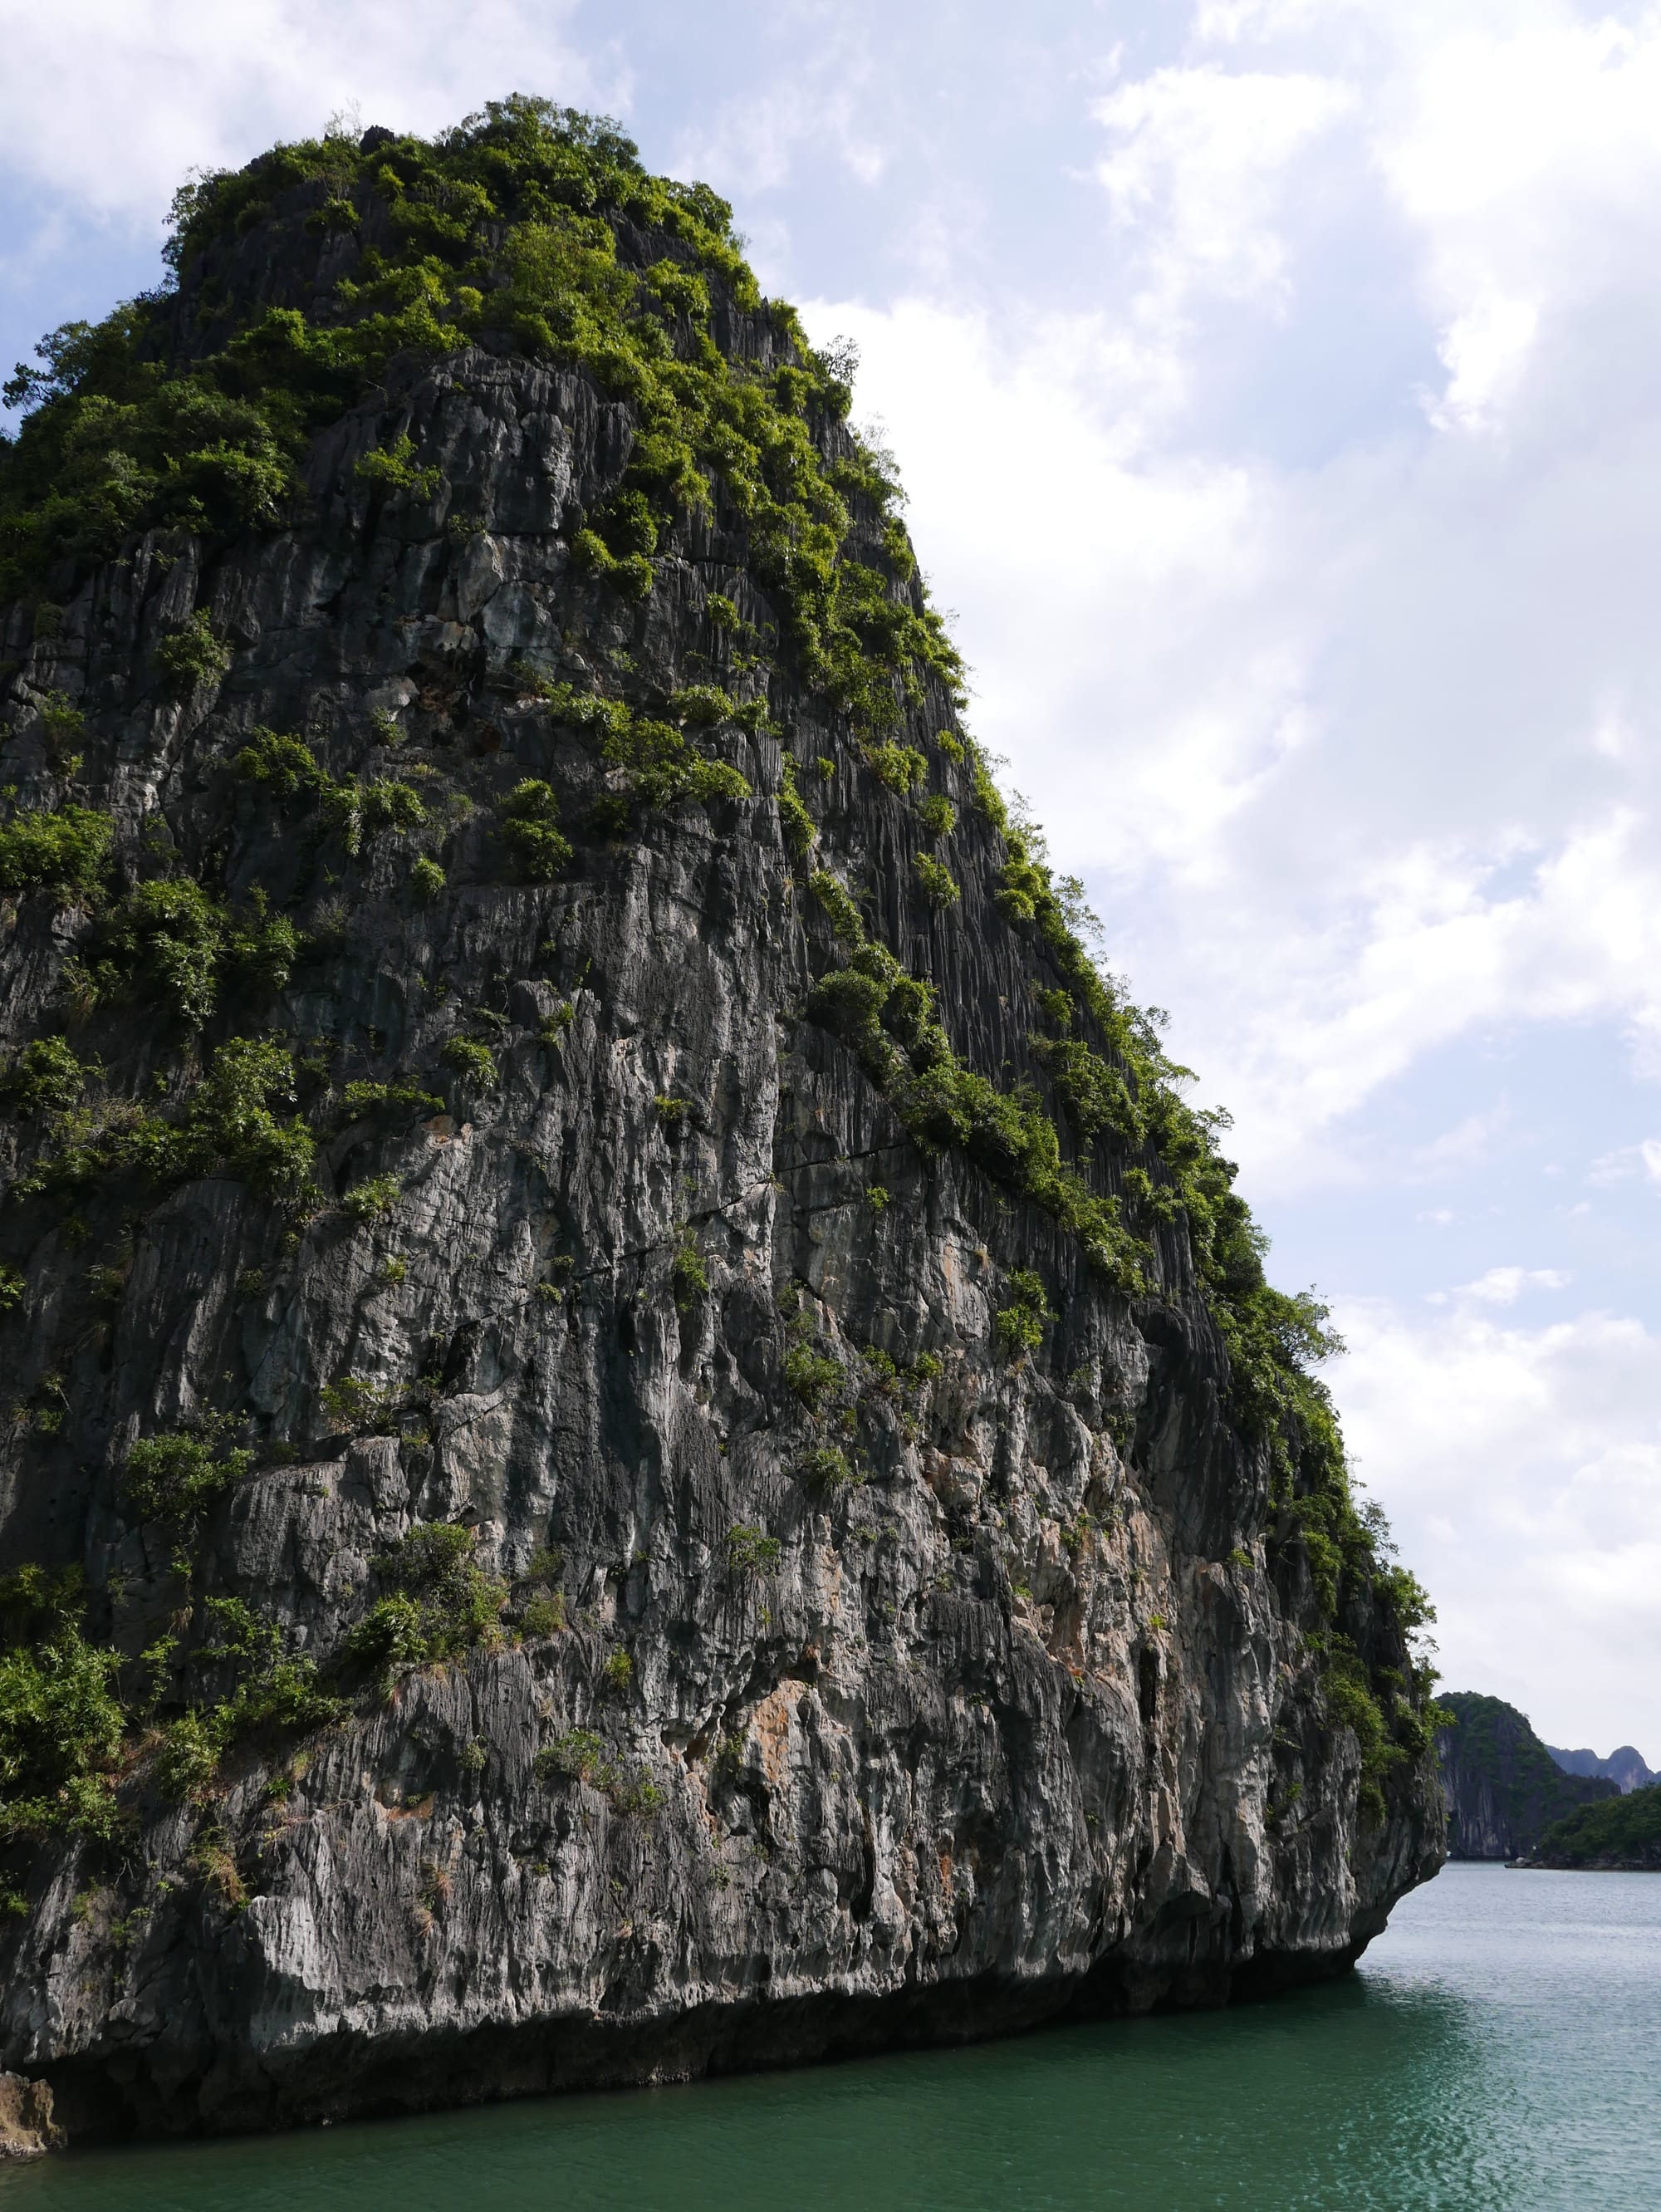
1497	2053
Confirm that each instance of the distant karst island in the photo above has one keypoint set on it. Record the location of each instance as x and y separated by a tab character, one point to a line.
1512	1797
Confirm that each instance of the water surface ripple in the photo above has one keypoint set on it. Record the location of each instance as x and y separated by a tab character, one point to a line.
1497	2050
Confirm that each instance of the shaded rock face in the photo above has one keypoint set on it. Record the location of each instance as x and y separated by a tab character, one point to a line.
1024	1715
1502	1785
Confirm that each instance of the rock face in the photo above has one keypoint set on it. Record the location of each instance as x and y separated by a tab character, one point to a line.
27	2128
1625	1766
852	1618
1503	1788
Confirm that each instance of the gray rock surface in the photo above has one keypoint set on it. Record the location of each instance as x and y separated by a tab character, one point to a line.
1027	1718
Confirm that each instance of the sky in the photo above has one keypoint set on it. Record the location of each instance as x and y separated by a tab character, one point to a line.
1276	385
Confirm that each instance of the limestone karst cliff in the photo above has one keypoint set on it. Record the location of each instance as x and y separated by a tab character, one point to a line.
642	1435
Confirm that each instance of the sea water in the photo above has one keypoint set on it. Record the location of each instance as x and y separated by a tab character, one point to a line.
1497	2051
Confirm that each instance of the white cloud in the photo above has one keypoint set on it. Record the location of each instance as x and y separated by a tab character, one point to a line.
1470	1140
1503	1286
108	102
1522	1467
1197	166
1485	350
754	139
1626	1161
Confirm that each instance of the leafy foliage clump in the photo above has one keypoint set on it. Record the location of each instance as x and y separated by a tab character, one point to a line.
813	1375
530	814
63	852
939	884
228	1125
440	1602
579	1754
799	826
355	807
1021	1323
825	1467
362	807
365	1096
175	1479
751	1551
474	1063
688	1274
390	469
268	1694
191	655
1095	1094
283	765
46	1077
61	1720
659	762
373	1200
231	1122
900	767
173	942
354	1404
542	1616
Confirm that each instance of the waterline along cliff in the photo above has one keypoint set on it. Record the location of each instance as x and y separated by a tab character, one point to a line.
641	1431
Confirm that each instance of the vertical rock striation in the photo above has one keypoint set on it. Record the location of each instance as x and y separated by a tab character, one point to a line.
644	1436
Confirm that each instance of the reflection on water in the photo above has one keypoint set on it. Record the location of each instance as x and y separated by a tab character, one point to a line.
1496	2050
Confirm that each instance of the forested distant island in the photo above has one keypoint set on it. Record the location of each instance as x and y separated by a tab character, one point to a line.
1618	1832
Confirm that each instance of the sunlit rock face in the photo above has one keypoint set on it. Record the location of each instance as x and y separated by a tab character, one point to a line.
856	1614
